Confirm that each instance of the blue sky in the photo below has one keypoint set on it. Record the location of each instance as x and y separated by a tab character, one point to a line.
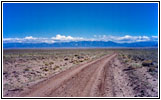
79	21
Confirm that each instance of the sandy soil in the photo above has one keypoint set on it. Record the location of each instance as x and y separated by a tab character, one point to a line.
78	81
24	68
107	76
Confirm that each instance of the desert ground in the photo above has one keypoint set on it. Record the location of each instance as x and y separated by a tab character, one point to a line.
80	72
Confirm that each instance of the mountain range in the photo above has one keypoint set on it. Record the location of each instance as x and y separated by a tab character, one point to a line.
80	44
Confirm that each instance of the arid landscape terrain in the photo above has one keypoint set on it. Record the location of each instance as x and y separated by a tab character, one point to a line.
80	72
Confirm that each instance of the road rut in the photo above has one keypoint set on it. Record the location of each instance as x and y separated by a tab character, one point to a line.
86	80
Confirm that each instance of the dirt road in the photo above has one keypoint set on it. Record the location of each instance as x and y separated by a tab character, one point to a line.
89	79
108	76
103	77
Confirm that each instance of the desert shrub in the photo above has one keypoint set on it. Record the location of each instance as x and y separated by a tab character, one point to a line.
153	70
51	63
136	65
45	69
129	56
75	55
133	66
126	60
86	58
147	63
42	57
76	62
81	60
66	58
79	57
46	64
56	67
26	69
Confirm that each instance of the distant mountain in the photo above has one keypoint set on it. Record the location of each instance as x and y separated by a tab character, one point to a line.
80	44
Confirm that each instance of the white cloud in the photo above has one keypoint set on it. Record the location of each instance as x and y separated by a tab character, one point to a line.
128	38
123	39
7	39
30	38
63	38
67	38
154	36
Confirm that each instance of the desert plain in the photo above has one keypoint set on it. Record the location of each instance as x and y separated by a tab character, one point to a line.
83	72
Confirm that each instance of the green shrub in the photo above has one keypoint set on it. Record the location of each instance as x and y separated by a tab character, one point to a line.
147	63
46	64
26	69
136	65
56	67
45	69
51	63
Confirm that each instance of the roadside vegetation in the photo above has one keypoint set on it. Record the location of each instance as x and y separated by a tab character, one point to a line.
141	65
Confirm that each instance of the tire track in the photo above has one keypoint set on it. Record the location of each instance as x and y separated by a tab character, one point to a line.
88	79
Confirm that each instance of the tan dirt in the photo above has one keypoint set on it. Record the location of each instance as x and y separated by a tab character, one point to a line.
86	80
94	79
104	77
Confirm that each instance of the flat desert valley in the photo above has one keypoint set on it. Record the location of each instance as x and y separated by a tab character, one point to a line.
80	72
